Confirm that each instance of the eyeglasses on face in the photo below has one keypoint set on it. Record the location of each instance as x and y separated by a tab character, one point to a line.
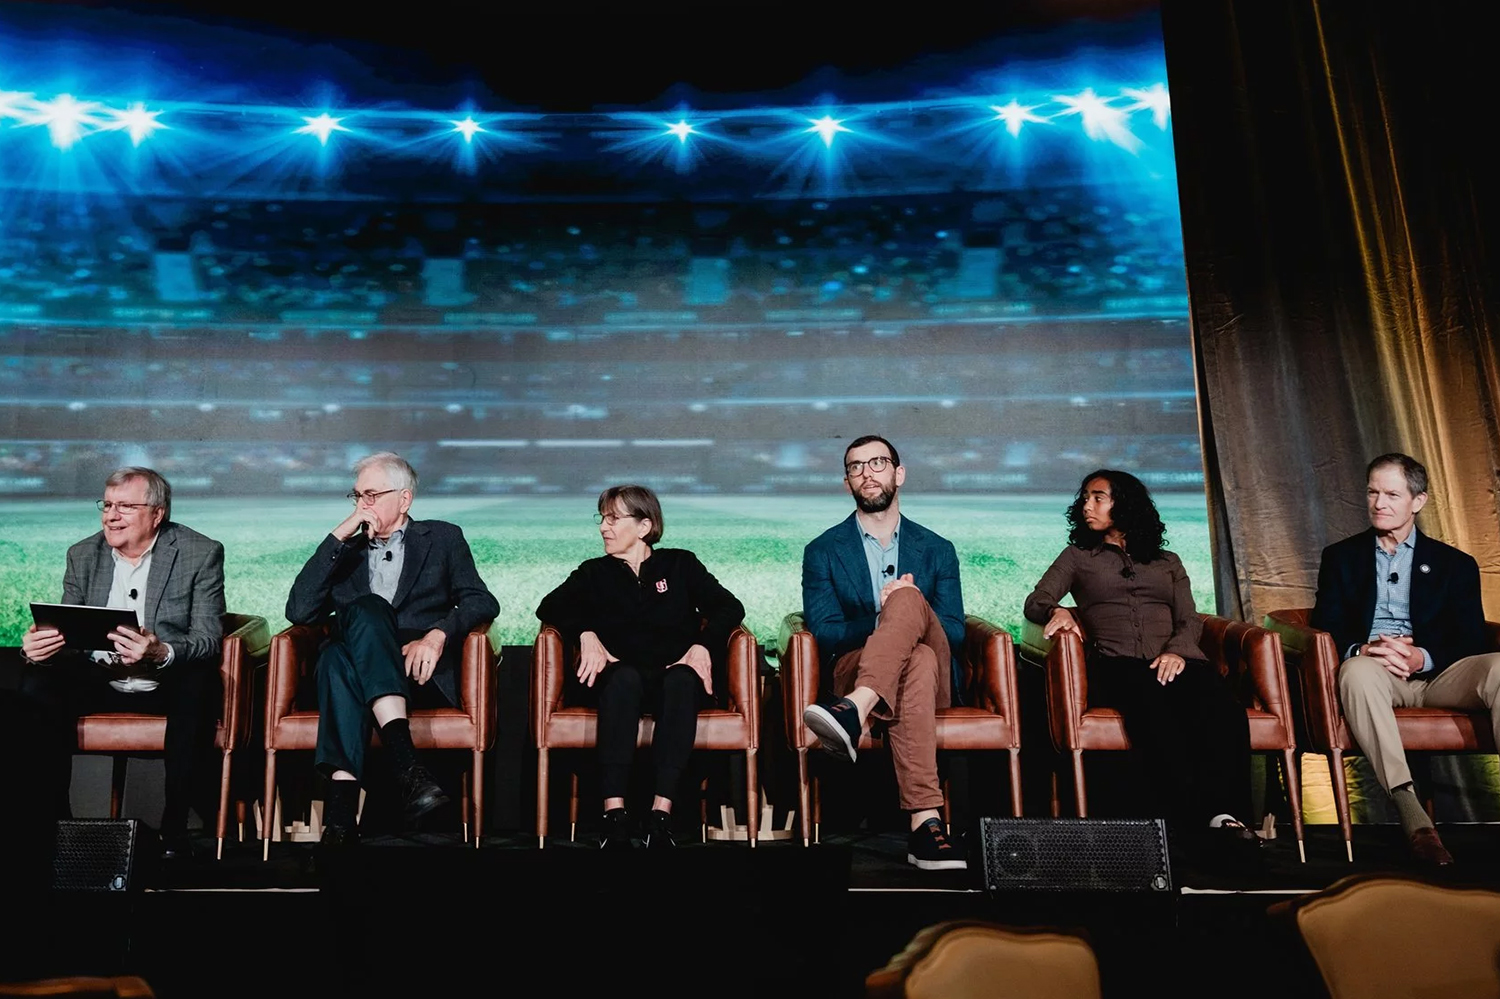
126	509
879	463
613	518
368	496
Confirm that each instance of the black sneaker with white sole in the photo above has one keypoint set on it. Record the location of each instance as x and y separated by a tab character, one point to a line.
929	848
836	726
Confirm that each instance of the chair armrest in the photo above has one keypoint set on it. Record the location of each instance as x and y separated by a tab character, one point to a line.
476	682
1067	689
744	679
548	662
294	652
247	641
1246	648
799	677
1312	654
989	667
1033	644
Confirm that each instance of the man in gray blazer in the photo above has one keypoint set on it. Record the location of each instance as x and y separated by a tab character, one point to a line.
403	594
173	578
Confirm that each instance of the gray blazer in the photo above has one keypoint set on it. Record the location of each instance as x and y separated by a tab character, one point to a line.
439	588
184	603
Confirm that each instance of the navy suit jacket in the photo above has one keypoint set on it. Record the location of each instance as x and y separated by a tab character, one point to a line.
839	606
439	588
1447	613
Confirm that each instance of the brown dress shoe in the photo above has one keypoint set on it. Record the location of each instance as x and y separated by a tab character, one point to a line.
1428	849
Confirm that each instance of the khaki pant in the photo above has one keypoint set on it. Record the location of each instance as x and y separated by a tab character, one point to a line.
905	661
1369	693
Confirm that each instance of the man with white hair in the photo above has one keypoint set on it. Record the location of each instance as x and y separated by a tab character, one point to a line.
403	594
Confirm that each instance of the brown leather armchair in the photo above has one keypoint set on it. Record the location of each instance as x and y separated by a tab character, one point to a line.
556	725
990	722
470	726
123	734
1233	646
1316	666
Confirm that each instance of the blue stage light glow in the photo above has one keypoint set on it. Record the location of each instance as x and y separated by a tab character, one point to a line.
321	126
467	127
1102	120
681	129
1015	114
136	121
66	118
826	128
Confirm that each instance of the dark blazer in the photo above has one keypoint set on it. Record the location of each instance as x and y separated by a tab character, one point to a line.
1447	612
439	588
184	603
839	607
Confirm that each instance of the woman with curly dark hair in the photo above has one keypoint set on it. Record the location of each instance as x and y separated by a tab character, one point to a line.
1140	629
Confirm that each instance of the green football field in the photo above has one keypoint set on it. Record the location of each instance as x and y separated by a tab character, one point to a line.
524	546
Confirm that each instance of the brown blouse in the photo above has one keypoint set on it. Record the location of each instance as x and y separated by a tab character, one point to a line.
1126	608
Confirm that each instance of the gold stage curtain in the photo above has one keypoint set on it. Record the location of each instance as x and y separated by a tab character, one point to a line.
1337	209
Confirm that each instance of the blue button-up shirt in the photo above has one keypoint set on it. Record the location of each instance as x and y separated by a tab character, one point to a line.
883	560
1393	593
386	559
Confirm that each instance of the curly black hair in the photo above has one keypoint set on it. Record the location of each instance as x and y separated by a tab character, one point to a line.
1134	514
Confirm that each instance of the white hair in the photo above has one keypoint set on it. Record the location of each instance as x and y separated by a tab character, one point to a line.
398	470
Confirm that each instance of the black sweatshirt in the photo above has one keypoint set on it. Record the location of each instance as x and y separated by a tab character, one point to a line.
647	621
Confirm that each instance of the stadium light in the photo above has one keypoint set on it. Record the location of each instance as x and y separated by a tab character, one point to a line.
1015	114
682	130
467	127
65	118
1156	99
136	121
1101	119
827	127
321	126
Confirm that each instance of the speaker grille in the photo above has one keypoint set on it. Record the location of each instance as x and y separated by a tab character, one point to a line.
1076	855
95	854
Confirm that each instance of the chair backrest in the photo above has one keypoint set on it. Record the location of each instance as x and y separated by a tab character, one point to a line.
1395	936
971	959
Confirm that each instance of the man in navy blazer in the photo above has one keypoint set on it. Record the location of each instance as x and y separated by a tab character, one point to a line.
1405	613
881	596
404	594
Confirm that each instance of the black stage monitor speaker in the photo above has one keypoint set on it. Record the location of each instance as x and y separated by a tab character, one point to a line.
1076	855
96	855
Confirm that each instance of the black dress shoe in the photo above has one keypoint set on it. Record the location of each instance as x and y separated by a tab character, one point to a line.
420	793
176	846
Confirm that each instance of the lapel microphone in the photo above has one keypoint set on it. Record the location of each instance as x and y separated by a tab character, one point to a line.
388	555
134	594
889	570
1393	578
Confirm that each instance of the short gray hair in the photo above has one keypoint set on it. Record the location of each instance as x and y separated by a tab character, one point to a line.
158	489
398	470
1413	470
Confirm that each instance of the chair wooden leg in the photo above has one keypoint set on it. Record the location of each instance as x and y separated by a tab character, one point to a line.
1341	799
222	825
268	810
239	818
117	783
1080	794
573	807
477	783
947	807
804	799
817	811
463	804
1015	783
1292	774
752	798
541	796
1056	801
703	810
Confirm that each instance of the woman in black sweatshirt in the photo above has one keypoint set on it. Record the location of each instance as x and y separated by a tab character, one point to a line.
647	624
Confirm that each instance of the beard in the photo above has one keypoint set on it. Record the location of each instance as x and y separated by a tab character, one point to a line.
878	503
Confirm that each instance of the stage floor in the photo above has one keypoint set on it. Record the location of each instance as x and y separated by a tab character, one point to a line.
426	915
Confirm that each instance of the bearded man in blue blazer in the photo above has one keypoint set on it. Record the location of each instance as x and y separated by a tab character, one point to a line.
881	595
1405	614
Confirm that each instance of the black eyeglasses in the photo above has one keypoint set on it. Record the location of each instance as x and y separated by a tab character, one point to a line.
879	463
368	496
106	506
613	518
